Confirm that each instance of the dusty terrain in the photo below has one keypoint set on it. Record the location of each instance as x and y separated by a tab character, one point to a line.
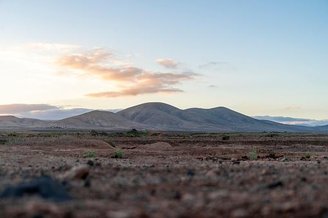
167	175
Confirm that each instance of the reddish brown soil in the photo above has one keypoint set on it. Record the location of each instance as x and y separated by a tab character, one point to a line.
172	175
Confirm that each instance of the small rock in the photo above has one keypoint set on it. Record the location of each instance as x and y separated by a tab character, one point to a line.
190	173
218	194
211	173
157	146
87	183
285	159
235	162
287	206
188	197
264	171
275	185
244	158
77	173
118	214
40	209
239	213
303	179
90	163
177	195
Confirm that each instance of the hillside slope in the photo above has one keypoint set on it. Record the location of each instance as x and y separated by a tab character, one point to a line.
12	122
97	120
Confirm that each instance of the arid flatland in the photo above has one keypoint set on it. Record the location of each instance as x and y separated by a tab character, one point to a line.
156	174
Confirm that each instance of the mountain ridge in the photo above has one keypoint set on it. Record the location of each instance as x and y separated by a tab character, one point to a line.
161	117
199	119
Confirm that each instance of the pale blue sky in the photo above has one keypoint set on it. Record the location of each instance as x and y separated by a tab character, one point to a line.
256	57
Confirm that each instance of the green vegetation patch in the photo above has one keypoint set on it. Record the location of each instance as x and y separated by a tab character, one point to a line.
252	155
3	141
90	154
136	133
118	154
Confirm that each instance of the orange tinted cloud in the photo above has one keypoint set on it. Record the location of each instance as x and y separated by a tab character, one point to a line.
167	62
134	91
133	80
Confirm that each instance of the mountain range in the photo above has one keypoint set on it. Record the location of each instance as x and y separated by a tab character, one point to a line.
160	117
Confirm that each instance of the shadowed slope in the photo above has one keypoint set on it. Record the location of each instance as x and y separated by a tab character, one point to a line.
97	120
157	116
8	122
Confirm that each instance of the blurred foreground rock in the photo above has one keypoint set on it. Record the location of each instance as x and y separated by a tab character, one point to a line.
44	187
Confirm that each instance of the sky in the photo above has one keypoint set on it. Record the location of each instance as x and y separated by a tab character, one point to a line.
255	57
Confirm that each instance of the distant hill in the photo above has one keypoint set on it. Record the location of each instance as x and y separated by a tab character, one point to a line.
161	117
166	117
321	128
97	120
157	116
11	122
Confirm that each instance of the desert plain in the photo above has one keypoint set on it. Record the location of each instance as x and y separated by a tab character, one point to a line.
164	174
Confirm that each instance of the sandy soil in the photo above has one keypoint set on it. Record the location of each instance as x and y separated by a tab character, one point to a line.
170	175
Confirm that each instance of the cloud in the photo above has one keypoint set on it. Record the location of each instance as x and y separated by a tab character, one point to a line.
212	64
293	121
54	114
23	108
91	64
134	91
167	63
40	111
131	80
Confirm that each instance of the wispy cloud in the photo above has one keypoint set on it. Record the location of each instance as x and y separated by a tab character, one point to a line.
137	90
54	114
167	63
40	111
131	80
22	108
212	64
293	121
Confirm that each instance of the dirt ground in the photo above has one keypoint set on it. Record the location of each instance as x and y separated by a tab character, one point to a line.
168	174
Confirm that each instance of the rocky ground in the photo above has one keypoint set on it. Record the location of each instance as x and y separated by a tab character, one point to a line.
163	175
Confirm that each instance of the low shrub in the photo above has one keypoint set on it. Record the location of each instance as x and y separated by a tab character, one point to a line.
252	155
118	154
136	133
225	138
307	155
98	133
90	154
3	141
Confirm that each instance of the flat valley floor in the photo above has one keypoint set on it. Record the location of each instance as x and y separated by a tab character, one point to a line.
145	174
